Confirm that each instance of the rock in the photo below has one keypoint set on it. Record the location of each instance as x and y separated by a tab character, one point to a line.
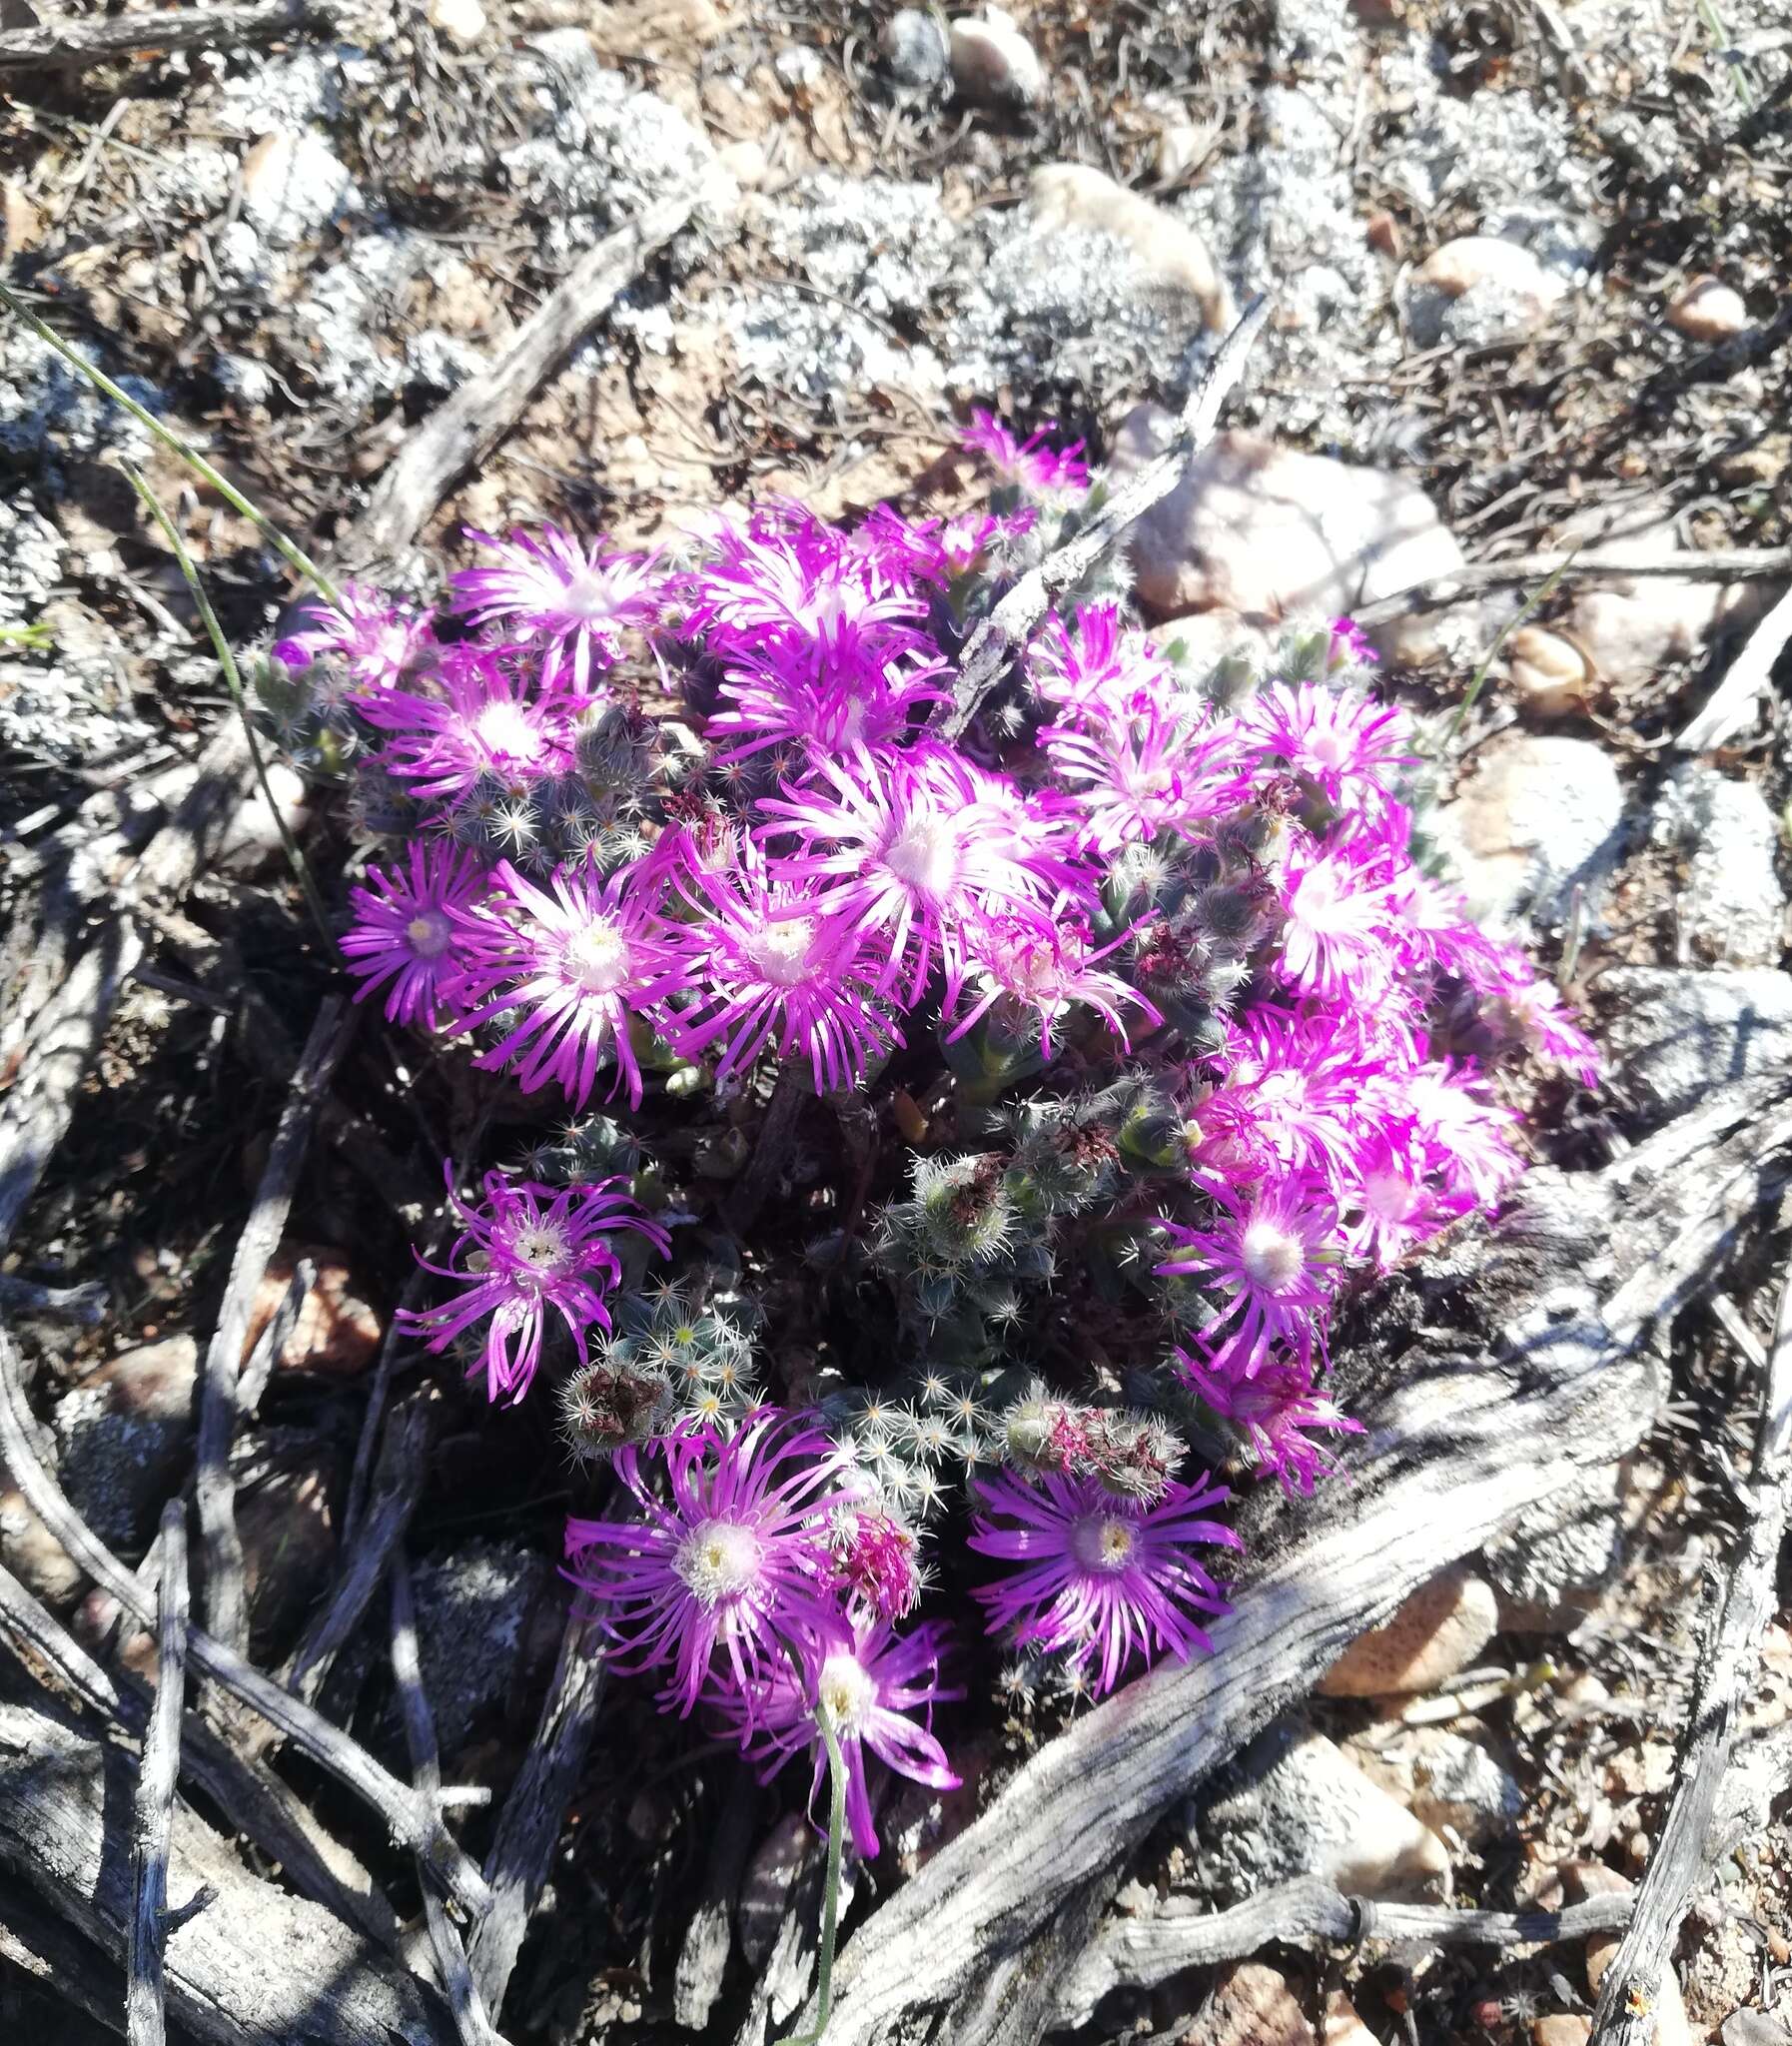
1753	2028
1439	1632
292	184
1536	816
993	64
1342	2026
1266	532
1632	628
1548	672
287	1522
125	1435
1563	2028
1757	465
745	162
1674	1034
1708	311
1183	147
1480	288
252	842
916	48
1252	2005
1173	255
1731	909
335	1333
1559	1558
1445	1779
1298	1805
32	1553
21	225
478	1641
766	1887
461	21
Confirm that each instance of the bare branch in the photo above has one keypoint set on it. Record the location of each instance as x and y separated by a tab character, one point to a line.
152	1818
74	45
1738	695
1707	565
252	1381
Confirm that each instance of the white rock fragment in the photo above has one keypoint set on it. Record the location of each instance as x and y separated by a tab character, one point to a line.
1677	1034
461	21
1173	255
1707	309
1479	288
993	64
1731	909
292	183
253	841
1535	817
916	48
1434	1635
1549	673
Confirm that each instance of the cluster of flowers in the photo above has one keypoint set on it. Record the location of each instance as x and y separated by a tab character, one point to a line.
671	823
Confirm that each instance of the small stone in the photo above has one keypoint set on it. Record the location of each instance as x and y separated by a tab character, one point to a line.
287	1527
1437	1632
292	184
32	1553
253	841
1479	288
1535	817
461	21
336	1331
1342	2026
1564	2028
1708	311
1299	1807
1757	466
916	48
1753	2028
1252	2005
1731	909
993	64
801	66
1675	1034
1172	254
1183	147
125	1435
1548	672
1460	1782
745	162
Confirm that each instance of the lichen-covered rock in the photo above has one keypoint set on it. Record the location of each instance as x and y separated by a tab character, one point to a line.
1675	1033
1731	909
124	1437
1171	254
1480	288
1434	1635
993	64
476	1641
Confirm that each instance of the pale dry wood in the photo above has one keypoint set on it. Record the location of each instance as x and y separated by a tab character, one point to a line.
1684	1860
1457	1446
254	1968
1738	696
459	432
534	1812
152	1816
257	1803
989	647
257	1368
85	1305
1708	564
226	1594
102	39
412	1820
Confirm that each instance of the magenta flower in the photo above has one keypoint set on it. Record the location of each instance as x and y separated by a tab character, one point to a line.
573	601
1033	462
525	1249
1102	674
856	698
1350	644
379	642
1274	1251
404	930
1135	776
870	1683
484	724
1271	1411
873	1558
1100	1578
724	1577
1343	740
1339	937
1466	1139
776	968
1290	1099
581	958
1031	959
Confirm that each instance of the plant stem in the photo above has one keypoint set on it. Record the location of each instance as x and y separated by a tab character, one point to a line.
288	551
830	1900
227	663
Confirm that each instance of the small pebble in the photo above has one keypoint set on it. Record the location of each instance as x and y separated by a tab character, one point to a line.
1708	311
1548	671
461	21
916	49
993	64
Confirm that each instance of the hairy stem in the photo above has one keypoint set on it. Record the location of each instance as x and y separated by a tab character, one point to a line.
830	1898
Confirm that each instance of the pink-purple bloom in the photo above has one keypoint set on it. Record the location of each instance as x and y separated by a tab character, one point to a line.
1272	1254
574	602
1100	1579
406	930
1278	1412
1033	462
482	722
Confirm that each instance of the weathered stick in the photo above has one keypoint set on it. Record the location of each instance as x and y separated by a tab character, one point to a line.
530	1824
227	1602
85	1304
254	1968
412	1820
1682	1861
470	2021
1707	565
1734	702
471	423
73	45
152	1818
1025	605
252	1381
256	1801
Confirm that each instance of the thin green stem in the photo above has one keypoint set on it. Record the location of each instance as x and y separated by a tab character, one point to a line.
37	637
288	551
226	663
830	1902
1541	594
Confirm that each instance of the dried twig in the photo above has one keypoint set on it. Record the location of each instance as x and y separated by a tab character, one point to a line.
459	432
85	1304
1025	605
516	1867
226	1605
1682	1861
1711	565
414	1821
462	1991
102	39
1738	695
252	1381
152	1817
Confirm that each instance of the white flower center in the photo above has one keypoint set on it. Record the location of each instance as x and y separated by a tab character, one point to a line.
1316	897
597	958
718	1561
924	854
781	949
540	1245
429	934
589	597
1104	1542
1327	748
846	1689
504	730
1272	1258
